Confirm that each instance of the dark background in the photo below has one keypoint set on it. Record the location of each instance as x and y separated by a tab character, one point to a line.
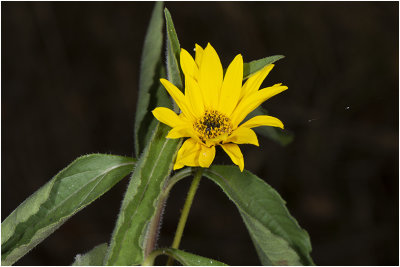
69	87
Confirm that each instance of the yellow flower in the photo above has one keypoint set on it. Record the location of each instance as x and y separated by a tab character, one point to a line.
213	107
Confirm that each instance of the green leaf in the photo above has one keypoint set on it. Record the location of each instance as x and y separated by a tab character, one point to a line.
151	94
189	259
271	249
129	238
159	98
278	238
256	65
95	257
173	52
282	137
72	189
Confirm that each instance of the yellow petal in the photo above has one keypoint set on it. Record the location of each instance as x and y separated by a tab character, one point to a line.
199	54
183	117
194	96
235	154
188	65
231	86
179	98
179	132
248	104
188	154
243	135
210	77
217	140
262	120
206	156
167	116
254	82
183	130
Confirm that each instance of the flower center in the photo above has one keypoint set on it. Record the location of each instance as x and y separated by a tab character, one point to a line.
212	124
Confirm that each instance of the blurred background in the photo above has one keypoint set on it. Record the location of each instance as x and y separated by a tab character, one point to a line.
69	87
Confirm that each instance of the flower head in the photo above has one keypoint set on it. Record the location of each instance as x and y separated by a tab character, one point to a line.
213	107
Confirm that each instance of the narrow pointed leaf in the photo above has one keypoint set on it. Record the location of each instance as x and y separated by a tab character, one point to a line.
159	98
282	137
173	52
278	238
256	65
150	73
72	189
189	259
129	238
95	257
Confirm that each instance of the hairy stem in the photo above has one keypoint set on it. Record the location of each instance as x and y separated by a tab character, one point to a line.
154	227
152	234
149	260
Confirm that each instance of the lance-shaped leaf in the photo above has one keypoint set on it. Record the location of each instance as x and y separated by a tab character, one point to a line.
151	93
72	189
95	257
189	259
278	238
173	52
282	137
159	98
129	238
129	241
256	65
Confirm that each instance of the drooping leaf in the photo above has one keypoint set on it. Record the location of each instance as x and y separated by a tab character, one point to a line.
278	238
94	257
271	249
72	189
256	65
129	238
151	70
189	259
282	137
173	52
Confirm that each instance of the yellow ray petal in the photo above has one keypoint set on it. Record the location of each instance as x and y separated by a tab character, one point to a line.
194	97
210	77
179	98
183	130
167	116
243	135
188	65
262	120
206	156
254	82
183	117
180	131
188	154
231	86
235	154
217	140
199	54
248	104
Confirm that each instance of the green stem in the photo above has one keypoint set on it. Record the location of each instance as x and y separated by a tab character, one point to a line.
185	211
174	179
149	261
